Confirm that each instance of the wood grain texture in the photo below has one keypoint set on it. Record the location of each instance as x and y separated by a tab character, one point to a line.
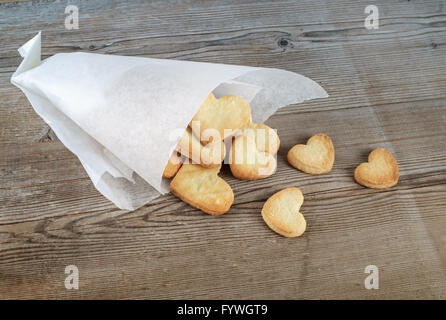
387	89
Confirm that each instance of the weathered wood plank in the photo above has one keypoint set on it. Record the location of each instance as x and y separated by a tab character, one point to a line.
165	256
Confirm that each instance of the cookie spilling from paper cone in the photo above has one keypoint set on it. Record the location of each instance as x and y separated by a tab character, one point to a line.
252	152
316	157
222	116
202	188
380	172
173	165
209	156
281	212
197	183
266	138
247	163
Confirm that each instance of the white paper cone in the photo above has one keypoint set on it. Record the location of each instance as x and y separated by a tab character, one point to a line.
122	116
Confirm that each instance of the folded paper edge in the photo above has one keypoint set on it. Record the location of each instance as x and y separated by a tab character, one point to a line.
31	53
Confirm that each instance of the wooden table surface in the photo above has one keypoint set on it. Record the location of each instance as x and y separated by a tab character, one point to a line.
387	89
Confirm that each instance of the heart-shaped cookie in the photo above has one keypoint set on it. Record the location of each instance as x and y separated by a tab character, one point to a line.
265	137
173	165
380	172
225	115
248	163
316	157
202	188
281	213
209	156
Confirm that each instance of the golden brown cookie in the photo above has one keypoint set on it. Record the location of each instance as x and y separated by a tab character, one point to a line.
229	112
202	188
173	165
209	156
266	138
248	163
316	157
380	172
281	213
